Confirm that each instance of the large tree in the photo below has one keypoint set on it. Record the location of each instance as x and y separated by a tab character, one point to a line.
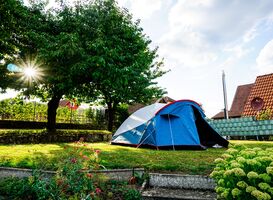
61	41
95	48
58	40
126	66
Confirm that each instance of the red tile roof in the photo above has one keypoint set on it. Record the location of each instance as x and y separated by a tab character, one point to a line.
263	88
238	103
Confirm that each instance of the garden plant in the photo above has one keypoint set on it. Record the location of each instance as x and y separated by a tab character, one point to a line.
73	180
244	173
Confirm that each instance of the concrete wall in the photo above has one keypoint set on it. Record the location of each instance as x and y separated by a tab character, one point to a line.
116	174
181	181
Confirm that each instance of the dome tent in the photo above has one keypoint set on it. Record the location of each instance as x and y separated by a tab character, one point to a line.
177	125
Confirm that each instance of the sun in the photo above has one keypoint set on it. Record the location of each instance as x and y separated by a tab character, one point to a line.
31	71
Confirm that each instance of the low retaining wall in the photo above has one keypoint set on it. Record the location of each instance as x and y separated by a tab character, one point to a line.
174	181
181	181
115	174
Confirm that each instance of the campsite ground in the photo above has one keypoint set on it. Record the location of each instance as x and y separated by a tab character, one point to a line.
47	156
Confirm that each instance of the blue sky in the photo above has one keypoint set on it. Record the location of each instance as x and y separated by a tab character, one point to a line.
201	38
198	39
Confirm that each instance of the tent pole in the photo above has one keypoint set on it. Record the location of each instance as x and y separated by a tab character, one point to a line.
145	139
147	124
171	131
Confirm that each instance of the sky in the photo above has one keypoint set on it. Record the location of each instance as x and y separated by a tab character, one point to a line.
198	39
201	38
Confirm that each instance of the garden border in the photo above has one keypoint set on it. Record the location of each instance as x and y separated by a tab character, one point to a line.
116	174
177	181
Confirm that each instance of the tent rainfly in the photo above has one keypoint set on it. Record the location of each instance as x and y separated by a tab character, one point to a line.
177	125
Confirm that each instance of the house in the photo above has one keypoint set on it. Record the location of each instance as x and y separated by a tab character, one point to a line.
263	89
245	95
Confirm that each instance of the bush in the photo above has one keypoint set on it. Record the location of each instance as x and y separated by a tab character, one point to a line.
243	173
265	115
42	136
73	180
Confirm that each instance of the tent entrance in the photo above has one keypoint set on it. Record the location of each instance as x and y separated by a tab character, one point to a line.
207	135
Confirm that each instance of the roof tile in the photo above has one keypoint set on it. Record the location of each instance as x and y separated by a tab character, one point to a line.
262	88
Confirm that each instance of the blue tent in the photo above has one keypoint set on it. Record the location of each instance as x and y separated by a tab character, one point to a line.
178	125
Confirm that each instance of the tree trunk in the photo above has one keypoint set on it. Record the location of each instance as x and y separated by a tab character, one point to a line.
51	113
111	115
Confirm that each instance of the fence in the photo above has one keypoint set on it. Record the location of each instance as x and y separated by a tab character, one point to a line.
246	126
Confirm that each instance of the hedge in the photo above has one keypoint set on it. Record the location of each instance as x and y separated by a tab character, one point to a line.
42	136
10	124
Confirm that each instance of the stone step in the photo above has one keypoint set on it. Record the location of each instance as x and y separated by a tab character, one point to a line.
158	193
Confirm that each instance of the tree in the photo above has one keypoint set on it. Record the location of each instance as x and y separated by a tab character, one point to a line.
125	65
12	16
95	48
60	40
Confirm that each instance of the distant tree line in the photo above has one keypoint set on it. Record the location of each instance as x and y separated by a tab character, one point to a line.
20	109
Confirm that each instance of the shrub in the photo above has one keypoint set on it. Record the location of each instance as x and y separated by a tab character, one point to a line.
244	173
265	115
22	136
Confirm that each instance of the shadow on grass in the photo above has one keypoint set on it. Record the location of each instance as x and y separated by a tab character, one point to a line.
118	157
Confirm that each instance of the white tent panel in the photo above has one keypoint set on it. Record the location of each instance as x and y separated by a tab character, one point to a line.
139	117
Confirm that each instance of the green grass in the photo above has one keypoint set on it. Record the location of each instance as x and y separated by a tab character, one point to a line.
47	156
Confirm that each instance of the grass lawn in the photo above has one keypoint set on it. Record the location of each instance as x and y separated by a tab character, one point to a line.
47	156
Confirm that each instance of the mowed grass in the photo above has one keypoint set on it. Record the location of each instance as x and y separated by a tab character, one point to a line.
47	156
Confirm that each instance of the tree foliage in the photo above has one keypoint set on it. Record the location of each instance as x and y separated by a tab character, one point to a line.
125	64
12	29
93	50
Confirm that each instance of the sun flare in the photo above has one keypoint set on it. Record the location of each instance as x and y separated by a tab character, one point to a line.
32	71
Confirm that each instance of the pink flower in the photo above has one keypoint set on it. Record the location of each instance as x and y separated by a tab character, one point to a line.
85	157
97	151
89	175
73	160
98	190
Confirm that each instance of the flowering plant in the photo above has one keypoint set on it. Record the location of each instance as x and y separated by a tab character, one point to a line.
244	173
74	180
73	177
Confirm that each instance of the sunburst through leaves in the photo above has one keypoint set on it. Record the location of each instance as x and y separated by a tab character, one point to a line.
32	71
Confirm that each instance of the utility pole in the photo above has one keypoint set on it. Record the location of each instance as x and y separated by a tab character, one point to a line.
225	95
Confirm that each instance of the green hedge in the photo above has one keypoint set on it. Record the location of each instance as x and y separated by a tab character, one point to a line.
12	124
42	136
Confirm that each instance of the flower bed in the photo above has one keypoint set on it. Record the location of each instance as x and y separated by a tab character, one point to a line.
244	173
73	180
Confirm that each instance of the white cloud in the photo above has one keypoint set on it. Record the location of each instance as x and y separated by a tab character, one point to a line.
201	29
186	48
237	50
220	20
141	9
265	58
